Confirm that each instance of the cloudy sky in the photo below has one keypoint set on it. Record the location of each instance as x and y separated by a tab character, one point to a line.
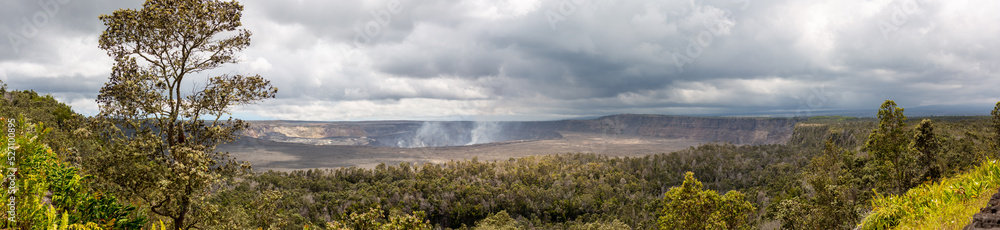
529	60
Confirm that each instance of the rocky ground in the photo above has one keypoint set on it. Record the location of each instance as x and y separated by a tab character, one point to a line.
988	217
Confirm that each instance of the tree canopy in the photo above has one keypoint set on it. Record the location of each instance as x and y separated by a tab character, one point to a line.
160	130
888	146
690	207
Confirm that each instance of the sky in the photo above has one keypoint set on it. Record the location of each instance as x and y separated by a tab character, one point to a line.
538	60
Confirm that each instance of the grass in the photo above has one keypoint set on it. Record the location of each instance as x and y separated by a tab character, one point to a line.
953	216
948	204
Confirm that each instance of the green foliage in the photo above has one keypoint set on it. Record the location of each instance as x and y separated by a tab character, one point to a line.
836	196
841	183
888	147
793	213
36	107
497	221
995	125
601	225
548	192
50	192
160	138
238	206
69	134
930	203
822	179
962	143
690	207
374	219
927	146
567	190
503	221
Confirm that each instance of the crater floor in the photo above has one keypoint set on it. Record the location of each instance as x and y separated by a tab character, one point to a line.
282	156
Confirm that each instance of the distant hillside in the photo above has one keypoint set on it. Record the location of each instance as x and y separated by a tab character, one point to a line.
736	130
457	133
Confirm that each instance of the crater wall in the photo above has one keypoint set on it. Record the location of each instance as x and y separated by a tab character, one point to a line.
408	134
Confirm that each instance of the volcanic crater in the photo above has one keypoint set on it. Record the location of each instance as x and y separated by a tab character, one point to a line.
294	145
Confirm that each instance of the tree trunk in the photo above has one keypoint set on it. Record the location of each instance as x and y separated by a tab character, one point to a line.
179	220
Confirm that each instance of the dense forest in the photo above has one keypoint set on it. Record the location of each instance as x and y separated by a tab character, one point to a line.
813	182
823	178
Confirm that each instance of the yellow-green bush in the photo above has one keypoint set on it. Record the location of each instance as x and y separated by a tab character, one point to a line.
690	207
375	219
50	193
936	205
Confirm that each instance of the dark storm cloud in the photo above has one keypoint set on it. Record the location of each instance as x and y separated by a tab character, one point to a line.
50	46
401	59
66	84
29	27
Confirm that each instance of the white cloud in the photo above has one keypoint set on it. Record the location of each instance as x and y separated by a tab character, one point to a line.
260	64
454	59
407	108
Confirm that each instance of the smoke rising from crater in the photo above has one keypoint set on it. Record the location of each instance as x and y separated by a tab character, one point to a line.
453	133
485	132
416	134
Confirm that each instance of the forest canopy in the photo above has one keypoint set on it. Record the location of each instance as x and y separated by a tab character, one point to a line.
823	177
